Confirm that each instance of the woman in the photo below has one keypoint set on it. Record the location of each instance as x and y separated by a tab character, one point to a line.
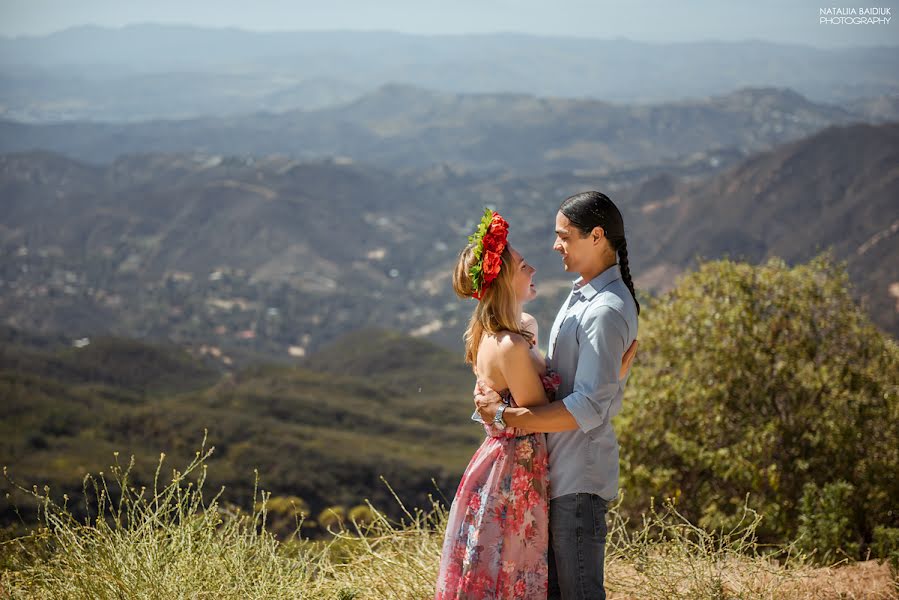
496	539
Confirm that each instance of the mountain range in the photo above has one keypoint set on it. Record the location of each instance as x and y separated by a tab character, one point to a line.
836	191
400	127
235	256
143	72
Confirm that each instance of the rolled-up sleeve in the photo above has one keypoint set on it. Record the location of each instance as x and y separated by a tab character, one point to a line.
601	344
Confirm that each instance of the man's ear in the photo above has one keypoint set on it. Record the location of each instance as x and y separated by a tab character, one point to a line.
597	234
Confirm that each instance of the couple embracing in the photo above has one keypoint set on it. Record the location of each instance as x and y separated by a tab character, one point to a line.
529	517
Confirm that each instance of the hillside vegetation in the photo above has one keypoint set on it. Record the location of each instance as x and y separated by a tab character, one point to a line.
366	407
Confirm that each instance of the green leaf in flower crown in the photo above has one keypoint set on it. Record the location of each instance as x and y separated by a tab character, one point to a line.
477	238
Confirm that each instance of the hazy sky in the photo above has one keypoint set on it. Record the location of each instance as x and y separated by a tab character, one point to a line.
792	21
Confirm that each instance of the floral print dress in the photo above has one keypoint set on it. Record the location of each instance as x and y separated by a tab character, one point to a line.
497	533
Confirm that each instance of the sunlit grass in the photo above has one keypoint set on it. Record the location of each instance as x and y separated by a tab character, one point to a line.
172	541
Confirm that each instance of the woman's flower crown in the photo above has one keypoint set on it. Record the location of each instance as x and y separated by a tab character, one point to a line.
489	242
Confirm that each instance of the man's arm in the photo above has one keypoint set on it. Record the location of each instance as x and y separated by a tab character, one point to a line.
548	418
601	343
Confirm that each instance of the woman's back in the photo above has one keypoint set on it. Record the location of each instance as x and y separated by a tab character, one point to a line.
493	355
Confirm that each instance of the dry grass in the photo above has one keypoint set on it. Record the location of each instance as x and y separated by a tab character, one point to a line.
868	580
667	557
170	542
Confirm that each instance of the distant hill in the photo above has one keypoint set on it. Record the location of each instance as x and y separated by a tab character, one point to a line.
131	366
400	127
838	189
42	95
326	437
165	71
878	109
267	256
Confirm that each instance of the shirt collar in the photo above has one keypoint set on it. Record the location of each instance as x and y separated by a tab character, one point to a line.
588	289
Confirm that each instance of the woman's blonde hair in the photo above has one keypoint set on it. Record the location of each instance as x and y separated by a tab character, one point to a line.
496	310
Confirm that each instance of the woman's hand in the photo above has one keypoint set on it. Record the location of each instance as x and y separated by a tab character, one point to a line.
627	359
486	401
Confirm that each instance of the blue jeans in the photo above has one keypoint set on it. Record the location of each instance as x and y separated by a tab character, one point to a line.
577	547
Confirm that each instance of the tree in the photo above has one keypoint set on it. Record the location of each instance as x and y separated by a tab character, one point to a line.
759	380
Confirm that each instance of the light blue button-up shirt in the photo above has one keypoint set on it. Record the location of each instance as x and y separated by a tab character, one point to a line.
595	326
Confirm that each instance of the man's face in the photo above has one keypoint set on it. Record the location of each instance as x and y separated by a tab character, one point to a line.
576	248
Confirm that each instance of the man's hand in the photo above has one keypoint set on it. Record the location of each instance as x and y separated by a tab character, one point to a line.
486	401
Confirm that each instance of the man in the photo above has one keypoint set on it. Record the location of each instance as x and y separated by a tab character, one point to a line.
594	327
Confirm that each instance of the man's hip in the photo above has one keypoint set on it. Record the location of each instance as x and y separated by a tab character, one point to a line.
577	540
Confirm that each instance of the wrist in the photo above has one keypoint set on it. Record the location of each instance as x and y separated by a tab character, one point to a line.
511	416
498	420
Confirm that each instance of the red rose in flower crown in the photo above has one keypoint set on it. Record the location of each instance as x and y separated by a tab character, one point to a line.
493	243
492	263
495	240
490	241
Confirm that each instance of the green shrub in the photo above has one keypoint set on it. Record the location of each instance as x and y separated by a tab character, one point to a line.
826	521
758	380
886	545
